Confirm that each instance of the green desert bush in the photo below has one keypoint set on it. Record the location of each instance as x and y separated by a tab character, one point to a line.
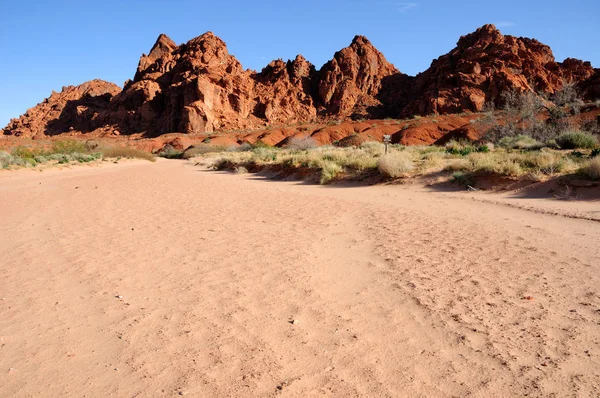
61	158
25	152
395	164
264	153
576	140
69	146
329	171
171	153
519	142
464	148
85	157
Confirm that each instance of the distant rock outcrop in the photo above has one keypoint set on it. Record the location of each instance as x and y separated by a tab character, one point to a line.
351	81
484	65
198	87
75	108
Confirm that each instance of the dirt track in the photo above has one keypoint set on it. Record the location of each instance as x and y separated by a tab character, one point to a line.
162	279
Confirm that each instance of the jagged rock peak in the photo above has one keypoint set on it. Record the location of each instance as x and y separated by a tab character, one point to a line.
162	46
353	78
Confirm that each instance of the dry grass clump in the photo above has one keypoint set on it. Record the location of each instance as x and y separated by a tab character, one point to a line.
217	159
329	171
546	162
395	164
591	169
499	163
373	148
125	152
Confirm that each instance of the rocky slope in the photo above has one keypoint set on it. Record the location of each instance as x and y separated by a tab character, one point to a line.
484	65
75	108
198	87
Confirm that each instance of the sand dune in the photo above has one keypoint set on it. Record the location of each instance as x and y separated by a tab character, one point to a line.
140	279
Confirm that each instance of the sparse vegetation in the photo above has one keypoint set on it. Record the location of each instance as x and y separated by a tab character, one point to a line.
407	162
395	164
519	142
125	152
301	143
527	114
591	169
66	152
576	140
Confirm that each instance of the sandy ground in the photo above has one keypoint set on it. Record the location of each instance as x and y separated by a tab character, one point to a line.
140	279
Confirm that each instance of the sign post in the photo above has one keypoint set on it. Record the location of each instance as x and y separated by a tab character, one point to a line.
387	139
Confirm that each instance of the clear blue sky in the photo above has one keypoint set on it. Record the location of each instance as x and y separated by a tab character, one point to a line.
45	45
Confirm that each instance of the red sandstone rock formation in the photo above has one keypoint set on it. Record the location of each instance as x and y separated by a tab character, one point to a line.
75	108
198	87
484	65
351	81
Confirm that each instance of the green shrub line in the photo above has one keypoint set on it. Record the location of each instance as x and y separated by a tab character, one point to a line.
520	157
67	152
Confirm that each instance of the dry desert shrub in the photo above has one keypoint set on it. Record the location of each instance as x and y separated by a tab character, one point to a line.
125	152
301	143
373	148
591	169
395	164
329	171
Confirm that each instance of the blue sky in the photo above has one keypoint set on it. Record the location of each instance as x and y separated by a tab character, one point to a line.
46	45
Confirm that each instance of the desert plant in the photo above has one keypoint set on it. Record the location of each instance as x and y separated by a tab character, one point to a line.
68	146
329	171
245	146
549	163
24	152
84	157
464	148
170	153
519	142
591	169
395	164
576	140
6	159
60	157
125	152
41	159
301	143
264	154
463	178
261	144
201	149
568	96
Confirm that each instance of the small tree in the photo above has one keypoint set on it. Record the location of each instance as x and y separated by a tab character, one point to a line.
568	97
